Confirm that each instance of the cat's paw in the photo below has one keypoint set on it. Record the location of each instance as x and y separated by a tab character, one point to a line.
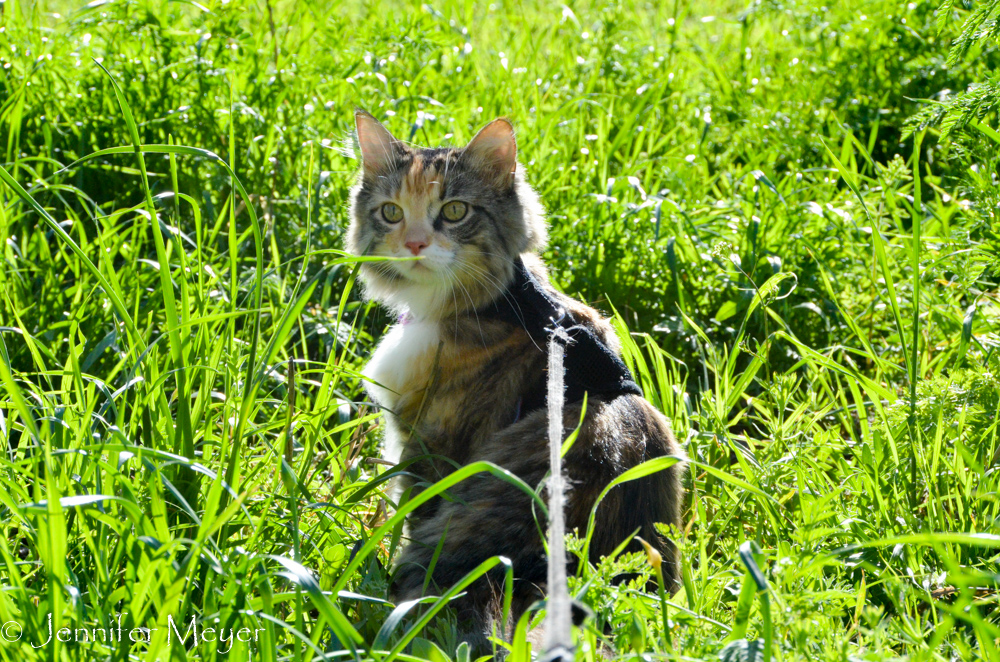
408	581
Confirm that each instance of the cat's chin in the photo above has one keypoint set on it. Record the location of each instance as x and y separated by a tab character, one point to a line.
425	300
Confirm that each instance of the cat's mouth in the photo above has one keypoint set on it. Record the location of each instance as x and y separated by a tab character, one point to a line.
424	270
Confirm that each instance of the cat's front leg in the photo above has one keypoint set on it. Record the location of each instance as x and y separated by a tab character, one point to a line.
488	518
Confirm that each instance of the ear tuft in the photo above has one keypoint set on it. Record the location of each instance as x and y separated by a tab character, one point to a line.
379	149
494	151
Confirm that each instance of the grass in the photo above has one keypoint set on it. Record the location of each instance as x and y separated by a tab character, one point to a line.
805	288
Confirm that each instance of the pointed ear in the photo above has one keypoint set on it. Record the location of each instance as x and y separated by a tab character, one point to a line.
379	149
494	151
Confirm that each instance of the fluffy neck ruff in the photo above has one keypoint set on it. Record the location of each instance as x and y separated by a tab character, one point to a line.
462	292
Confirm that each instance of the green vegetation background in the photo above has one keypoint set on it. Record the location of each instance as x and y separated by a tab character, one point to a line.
806	280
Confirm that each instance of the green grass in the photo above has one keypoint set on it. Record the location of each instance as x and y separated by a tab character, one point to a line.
811	300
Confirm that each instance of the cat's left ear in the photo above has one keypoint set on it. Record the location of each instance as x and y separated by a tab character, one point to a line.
494	151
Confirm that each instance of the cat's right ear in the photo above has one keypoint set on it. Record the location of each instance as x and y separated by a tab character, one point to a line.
380	151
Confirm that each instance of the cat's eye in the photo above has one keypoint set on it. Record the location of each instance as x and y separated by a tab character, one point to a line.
392	213
454	211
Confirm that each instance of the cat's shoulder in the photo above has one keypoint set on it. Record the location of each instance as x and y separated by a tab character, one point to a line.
583	314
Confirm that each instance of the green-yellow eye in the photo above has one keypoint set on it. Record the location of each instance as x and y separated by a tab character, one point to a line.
454	211
392	213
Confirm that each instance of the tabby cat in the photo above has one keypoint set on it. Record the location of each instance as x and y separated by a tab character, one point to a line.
461	375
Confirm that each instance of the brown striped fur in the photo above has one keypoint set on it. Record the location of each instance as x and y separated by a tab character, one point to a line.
450	381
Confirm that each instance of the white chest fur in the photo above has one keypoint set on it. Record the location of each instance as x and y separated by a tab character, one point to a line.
401	363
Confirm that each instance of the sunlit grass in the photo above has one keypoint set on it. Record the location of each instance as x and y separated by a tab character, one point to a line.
188	446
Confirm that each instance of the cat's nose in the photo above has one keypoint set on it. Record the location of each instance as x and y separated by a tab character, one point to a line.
416	246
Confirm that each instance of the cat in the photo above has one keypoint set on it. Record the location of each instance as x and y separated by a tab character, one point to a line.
461	375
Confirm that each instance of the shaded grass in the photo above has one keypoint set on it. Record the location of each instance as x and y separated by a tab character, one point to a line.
187	439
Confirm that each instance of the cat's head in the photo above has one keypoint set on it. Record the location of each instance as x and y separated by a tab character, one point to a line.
466	212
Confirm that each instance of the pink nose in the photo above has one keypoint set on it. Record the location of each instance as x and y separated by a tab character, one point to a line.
416	246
